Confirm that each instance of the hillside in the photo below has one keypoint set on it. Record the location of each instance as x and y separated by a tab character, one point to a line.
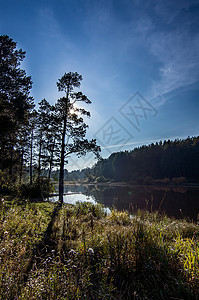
169	161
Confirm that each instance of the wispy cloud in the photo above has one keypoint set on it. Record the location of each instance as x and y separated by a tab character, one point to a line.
176	49
179	54
51	30
125	145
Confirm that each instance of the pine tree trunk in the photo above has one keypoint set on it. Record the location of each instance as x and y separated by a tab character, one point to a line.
51	159
61	172
39	158
21	167
11	161
31	155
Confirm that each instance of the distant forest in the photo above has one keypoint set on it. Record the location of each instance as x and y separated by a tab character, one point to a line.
168	161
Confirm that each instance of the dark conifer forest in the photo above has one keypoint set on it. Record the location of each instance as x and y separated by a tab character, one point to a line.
168	161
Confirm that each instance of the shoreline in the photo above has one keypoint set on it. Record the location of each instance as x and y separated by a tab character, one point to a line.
126	184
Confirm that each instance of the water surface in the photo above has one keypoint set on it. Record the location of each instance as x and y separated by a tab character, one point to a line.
175	201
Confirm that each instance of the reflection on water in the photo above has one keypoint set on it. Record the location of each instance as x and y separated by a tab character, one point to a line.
73	198
176	201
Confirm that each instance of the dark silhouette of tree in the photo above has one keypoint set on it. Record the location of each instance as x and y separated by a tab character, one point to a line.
15	103
53	138
43	117
33	124
73	129
48	136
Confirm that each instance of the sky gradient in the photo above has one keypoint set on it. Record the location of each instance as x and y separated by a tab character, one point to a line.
139	61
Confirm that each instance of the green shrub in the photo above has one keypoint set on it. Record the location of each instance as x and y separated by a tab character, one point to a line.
6	184
39	189
87	208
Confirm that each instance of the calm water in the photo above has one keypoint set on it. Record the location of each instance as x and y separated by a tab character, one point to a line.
174	201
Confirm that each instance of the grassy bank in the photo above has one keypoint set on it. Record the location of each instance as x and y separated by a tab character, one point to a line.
21	228
92	255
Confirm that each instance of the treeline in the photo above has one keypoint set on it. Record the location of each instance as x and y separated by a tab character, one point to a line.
35	140
168	161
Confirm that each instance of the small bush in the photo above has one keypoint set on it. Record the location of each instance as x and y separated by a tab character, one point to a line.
87	208
39	189
122	218
6	184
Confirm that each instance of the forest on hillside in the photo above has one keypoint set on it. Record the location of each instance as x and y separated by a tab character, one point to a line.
168	161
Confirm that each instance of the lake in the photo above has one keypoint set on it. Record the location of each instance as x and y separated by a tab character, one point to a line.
175	201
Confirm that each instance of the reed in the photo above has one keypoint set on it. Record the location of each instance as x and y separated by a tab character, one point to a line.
95	255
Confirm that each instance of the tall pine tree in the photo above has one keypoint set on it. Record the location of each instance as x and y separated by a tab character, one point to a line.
15	102
73	125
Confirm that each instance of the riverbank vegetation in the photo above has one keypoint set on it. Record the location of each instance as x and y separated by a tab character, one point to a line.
94	255
21	229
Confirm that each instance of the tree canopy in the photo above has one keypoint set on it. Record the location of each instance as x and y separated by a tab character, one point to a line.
15	101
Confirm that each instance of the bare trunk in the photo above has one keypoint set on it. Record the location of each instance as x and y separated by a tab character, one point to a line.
21	167
39	158
31	154
51	159
61	171
11	160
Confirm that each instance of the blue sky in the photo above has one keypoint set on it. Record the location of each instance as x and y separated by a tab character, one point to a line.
120	48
